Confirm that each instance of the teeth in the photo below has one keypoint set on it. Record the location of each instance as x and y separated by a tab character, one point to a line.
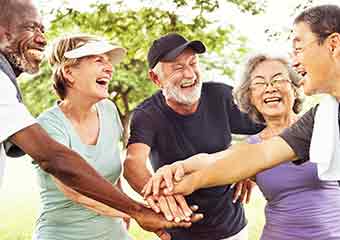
274	99
187	83
36	54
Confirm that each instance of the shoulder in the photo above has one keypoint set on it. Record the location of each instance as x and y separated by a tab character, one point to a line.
107	106
149	107
52	117
8	91
216	88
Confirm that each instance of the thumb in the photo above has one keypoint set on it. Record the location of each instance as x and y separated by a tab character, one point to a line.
163	235
179	174
179	188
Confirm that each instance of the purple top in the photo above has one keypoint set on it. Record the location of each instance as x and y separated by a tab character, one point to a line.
299	205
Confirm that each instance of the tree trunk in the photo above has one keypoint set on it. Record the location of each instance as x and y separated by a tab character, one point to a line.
126	126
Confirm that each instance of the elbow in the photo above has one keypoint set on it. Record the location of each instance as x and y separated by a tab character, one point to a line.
53	161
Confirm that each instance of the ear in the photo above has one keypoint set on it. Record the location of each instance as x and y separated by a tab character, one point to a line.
5	36
68	75
334	44
154	77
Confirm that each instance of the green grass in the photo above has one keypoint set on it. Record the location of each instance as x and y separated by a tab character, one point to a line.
19	206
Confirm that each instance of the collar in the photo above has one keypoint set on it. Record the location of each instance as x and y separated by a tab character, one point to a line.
6	67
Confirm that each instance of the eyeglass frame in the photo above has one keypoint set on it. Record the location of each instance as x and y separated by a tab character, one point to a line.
274	82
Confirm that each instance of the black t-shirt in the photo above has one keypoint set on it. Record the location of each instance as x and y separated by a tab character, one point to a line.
174	137
299	135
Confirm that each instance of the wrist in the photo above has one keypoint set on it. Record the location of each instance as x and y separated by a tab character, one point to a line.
135	210
197	180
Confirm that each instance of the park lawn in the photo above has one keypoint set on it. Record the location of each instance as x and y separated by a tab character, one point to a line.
19	206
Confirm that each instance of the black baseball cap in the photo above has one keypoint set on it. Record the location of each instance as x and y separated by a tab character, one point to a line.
169	46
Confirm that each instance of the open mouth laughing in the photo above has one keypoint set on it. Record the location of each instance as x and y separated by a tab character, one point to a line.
188	83
272	100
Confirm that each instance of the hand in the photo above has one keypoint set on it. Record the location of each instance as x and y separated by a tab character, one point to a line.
173	207
167	173
154	222
243	190
186	186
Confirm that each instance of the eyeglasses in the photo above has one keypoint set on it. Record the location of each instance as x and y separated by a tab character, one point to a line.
276	82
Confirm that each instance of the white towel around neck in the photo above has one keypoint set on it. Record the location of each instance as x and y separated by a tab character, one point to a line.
325	144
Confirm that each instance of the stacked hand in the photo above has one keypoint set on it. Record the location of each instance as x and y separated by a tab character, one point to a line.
175	180
155	222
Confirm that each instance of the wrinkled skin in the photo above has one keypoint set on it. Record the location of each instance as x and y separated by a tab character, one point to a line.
24	41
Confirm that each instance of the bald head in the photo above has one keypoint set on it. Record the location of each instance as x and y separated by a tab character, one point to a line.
12	10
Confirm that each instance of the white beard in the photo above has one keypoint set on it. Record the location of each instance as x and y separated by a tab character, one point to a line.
173	92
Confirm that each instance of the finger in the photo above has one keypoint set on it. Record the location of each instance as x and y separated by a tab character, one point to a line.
183	187
153	204
250	191
194	208
237	192
196	217
179	173
167	175
163	185
147	188
155	185
176	211
244	192
184	206
163	205
163	235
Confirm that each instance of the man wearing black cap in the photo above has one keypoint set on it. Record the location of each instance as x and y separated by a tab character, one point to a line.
184	118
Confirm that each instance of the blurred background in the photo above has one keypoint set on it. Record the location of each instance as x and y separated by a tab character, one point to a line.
231	30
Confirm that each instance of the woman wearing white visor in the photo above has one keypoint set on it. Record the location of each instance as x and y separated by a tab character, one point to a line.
87	122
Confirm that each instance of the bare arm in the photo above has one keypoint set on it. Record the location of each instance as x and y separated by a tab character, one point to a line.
137	174
89	203
236	163
135	170
71	169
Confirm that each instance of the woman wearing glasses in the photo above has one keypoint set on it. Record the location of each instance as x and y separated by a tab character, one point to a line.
299	205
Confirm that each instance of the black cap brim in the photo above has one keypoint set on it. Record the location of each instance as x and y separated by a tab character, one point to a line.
197	46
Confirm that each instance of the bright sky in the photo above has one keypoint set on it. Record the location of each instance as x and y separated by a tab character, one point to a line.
278	15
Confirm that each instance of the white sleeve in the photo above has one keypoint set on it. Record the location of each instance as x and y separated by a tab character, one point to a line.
14	116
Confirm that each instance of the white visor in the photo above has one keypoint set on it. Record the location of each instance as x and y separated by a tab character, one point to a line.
96	48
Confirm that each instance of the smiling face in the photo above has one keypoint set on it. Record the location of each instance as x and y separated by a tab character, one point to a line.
271	91
180	79
314	59
90	77
25	41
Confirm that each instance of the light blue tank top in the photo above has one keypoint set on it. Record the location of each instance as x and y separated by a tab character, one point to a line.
60	218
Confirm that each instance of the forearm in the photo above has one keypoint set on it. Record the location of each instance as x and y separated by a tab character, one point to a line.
136	175
71	169
243	161
86	202
197	162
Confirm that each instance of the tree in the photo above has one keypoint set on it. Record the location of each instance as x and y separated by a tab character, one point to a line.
135	30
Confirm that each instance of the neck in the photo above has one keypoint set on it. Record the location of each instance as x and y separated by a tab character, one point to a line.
335	88
275	125
76	108
183	109
336	91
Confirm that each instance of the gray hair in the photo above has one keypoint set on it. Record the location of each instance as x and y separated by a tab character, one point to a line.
242	92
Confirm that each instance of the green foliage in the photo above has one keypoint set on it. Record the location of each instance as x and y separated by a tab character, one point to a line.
135	29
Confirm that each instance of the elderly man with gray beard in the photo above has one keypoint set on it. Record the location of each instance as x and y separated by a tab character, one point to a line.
184	118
